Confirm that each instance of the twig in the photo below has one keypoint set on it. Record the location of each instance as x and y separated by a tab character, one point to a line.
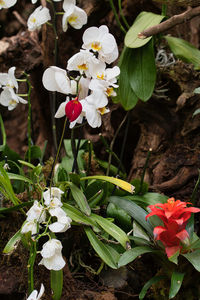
19	18
171	22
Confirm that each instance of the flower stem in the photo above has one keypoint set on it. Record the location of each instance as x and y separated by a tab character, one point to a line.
31	261
164	10
57	154
122	15
29	116
116	17
75	151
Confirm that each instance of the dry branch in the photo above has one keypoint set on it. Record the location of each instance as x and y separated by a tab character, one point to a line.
171	22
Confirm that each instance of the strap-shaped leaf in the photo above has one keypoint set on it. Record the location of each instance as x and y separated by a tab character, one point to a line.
176	281
56	284
121	183
12	243
194	258
80	198
134	211
148	284
101	249
115	231
78	217
143	21
132	254
142	71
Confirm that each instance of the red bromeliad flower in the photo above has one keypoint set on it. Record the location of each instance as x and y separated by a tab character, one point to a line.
175	215
73	109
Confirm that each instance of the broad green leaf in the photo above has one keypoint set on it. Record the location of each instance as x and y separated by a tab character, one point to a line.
143	21
184	50
19	177
25	163
132	254
148	284
148	199
36	153
101	249
125	94
3	132
120	215
121	183
56	284
174	257
12	243
139	232
94	201
142	71
68	160
176	281
194	258
134	211
80	199
138	189
112	229
79	217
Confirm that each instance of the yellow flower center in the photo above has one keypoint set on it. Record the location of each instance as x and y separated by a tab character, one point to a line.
11	102
2	2
72	19
102	110
109	91
83	67
101	76
96	46
33	20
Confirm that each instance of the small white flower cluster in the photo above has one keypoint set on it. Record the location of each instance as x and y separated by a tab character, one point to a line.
9	84
95	82
51	252
72	15
7	3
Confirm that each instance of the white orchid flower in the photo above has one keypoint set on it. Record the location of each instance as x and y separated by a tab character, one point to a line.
101	41
63	221
34	1
56	80
94	106
8	79
35	296
10	99
30	226
7	3
36	212
52	197
39	17
105	81
52	256
82	62
73	15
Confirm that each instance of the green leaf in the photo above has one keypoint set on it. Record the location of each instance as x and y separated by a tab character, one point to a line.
79	217
197	90
25	163
36	153
96	198
120	215
194	258
4	210
174	257
19	177
57	284
12	243
184	50
137	183
142	71
125	94
3	132
143	21
176	281
80	199
112	229
148	284
139	232
148	199
68	160
134	211
121	183
132	254
101	249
